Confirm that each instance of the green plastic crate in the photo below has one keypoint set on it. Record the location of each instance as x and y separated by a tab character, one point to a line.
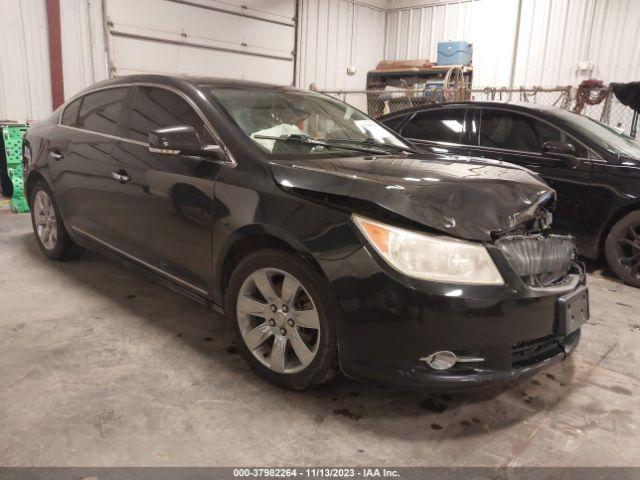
12	136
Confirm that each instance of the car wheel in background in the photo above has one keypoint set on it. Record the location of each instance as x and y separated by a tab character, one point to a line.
282	314
622	248
50	232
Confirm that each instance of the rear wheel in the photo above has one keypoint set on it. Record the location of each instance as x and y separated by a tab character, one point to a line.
50	232
622	248
280	310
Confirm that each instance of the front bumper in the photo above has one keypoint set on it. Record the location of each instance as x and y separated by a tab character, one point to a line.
388	322
476	378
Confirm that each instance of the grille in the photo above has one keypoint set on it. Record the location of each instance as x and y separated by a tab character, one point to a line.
539	260
528	353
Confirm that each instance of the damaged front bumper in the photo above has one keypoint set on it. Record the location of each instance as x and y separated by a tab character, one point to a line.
390	323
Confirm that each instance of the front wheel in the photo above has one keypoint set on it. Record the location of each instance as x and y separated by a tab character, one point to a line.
281	311
622	248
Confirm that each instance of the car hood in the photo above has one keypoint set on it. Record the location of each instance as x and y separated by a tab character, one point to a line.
465	197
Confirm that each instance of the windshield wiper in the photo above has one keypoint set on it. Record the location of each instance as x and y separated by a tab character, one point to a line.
294	138
373	142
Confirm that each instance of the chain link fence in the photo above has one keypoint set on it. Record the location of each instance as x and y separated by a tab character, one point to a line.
379	102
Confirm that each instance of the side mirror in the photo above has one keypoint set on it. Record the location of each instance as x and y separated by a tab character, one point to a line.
556	148
182	140
563	151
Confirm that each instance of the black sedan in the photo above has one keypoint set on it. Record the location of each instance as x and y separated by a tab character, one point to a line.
329	243
594	168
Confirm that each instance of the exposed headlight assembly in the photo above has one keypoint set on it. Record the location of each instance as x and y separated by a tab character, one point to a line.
430	257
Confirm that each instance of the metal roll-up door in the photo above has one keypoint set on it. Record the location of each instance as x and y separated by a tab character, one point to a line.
243	39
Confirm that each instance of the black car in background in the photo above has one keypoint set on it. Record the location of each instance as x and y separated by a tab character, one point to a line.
594	168
327	241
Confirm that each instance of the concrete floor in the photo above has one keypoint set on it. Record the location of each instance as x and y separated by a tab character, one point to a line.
101	367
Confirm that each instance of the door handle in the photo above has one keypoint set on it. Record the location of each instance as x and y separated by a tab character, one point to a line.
56	154
121	176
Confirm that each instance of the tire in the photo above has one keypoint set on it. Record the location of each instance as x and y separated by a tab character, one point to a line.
622	248
282	331
51	235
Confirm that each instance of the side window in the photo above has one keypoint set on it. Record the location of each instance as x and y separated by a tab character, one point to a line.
513	131
438	125
100	111
155	108
70	114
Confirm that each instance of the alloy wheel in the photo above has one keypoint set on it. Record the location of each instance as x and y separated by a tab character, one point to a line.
45	220
629	249
278	320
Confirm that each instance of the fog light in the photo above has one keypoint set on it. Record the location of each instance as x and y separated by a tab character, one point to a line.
445	359
441	360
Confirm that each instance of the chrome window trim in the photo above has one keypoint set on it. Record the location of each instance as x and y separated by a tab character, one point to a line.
527	114
230	163
106	135
141	262
436	143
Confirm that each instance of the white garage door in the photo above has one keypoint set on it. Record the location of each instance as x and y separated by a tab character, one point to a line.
243	39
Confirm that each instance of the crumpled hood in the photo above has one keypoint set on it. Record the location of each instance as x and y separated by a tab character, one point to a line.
462	196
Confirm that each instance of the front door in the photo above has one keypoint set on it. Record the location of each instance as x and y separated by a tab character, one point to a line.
163	204
518	138
441	130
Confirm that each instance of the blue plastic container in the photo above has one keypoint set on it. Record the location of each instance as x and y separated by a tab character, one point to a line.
455	53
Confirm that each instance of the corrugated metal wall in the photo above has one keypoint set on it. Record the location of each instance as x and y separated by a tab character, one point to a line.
554	36
25	88
334	34
489	24
83	58
25	85
557	34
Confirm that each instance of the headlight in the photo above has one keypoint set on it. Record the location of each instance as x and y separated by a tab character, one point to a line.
429	257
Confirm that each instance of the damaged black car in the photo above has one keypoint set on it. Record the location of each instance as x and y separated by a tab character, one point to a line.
330	244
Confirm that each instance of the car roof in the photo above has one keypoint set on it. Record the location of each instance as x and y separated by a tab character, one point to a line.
178	81
517	106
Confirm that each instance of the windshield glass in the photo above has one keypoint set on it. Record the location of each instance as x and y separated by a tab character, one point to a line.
303	118
608	137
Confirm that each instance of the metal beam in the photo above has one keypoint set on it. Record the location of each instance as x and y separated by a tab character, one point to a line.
55	53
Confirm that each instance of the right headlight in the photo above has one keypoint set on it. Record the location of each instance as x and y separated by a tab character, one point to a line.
428	257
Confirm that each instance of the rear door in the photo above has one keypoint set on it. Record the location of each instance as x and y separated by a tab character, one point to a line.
163	208
81	162
517	137
439	129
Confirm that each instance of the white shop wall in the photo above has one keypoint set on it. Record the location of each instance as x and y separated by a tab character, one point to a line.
244	39
25	88
554	35
83	58
335	34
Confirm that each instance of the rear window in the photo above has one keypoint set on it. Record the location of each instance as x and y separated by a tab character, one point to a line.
100	111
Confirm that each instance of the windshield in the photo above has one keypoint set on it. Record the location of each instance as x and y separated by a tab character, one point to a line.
289	122
606	136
